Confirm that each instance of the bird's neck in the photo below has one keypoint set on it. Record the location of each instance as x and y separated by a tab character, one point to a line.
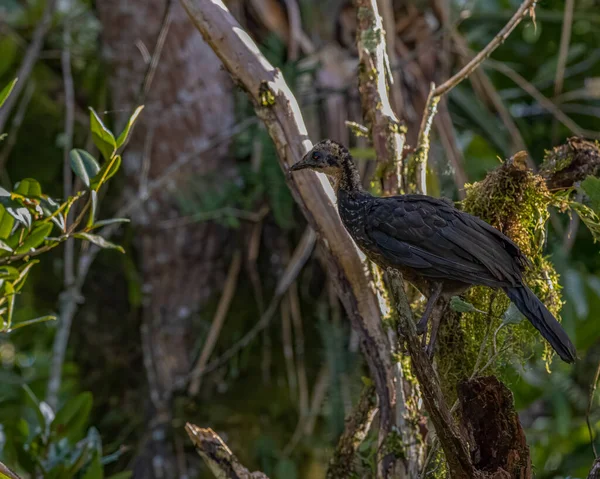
348	179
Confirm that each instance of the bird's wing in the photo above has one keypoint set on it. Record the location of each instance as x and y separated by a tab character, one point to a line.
441	242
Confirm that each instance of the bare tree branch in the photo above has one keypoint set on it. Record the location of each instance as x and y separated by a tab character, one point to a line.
277	107
217	456
487	51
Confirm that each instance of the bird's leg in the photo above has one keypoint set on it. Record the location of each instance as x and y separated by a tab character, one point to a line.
433	297
435	326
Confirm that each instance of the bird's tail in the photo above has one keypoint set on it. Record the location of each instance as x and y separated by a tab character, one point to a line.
535	311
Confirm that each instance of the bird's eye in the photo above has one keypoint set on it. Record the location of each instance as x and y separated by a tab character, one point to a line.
316	156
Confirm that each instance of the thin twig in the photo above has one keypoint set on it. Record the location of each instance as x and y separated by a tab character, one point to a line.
544	102
421	155
29	60
14	130
65	316
217	322
487	50
296	314
588	411
563	51
158	47
297	262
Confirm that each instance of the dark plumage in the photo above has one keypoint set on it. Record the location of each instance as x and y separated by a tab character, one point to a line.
440	249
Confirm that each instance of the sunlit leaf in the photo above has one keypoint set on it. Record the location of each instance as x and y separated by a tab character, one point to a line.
124	136
72	417
9	272
7	223
84	165
15	209
23	272
102	136
108	170
28	187
94	470
51	209
5	247
6	91
35	238
99	241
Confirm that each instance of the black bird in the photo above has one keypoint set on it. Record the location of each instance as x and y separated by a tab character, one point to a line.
441	250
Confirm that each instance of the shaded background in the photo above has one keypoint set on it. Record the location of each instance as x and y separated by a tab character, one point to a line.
219	218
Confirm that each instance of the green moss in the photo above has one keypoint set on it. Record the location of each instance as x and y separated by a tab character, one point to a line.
265	95
515	201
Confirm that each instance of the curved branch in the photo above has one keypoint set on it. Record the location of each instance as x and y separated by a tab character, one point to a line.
279	110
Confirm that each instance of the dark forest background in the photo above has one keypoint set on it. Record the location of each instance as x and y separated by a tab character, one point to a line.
213	226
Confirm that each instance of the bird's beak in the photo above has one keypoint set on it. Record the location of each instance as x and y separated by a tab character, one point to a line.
301	165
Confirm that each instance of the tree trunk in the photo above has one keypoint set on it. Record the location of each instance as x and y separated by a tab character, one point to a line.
189	101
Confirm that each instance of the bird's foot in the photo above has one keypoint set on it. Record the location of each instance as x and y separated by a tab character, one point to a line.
422	324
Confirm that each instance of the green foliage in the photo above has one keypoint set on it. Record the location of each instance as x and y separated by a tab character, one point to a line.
5	92
28	217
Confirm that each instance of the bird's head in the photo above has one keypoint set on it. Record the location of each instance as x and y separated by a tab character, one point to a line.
327	156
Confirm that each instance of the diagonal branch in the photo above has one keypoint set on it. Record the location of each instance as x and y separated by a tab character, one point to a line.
453	444
277	107
217	456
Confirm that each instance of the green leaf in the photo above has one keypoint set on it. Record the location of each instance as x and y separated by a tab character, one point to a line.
102	136
461	306
72	417
28	187
84	165
5	247
9	272
124	136
107	171
6	91
512	315
35	238
15	209
591	186
6	223
50	209
35	402
94	470
101	223
23	273
29	322
99	241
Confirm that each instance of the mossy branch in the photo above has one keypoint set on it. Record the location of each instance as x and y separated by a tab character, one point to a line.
358	424
387	132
